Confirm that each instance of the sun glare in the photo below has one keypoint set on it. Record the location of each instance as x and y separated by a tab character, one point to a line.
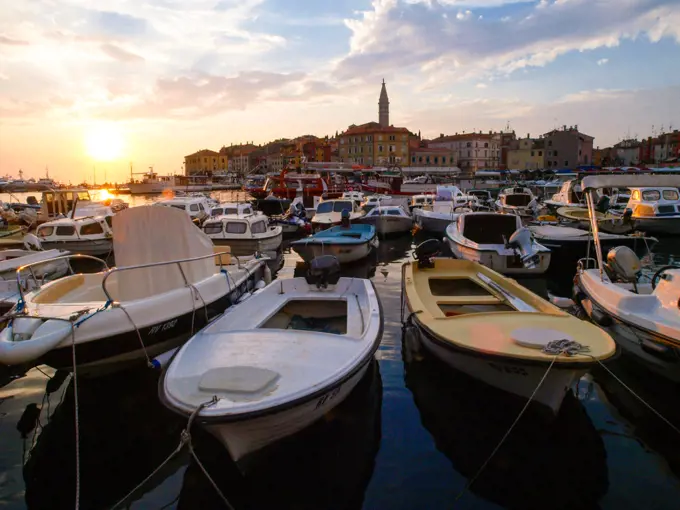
104	142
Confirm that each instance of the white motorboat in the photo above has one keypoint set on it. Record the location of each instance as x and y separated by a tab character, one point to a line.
655	208
329	213
356	196
517	200
421	201
245	234
372	201
196	207
89	235
569	195
498	241
151	183
440	216
279	361
388	219
169	284
643	318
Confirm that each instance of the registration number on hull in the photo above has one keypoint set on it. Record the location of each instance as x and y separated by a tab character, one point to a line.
163	327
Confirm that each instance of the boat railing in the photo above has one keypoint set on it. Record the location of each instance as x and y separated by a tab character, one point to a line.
586	263
40	281
179	263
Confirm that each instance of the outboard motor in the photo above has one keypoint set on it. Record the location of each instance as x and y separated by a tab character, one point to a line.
628	215
521	242
602	205
323	271
344	218
623	264
425	251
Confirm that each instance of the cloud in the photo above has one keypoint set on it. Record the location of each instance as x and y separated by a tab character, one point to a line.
602	61
118	24
450	43
120	54
12	42
481	85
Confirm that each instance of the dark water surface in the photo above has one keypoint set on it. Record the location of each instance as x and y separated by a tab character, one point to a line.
410	436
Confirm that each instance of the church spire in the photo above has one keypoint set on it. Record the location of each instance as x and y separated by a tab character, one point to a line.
383	107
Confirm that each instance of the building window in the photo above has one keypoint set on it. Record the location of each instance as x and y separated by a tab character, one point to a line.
485	154
413	159
451	158
380	147
566	162
540	153
532	154
486	145
549	143
468	154
554	153
436	160
468	144
392	138
380	138
579	152
420	159
392	148
427	159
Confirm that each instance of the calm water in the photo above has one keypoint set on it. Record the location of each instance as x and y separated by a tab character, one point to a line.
410	436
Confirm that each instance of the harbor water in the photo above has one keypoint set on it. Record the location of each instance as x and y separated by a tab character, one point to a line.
411	436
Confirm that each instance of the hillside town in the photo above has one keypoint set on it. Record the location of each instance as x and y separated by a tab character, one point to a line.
468	152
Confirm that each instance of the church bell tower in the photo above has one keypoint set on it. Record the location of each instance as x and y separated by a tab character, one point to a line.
383	107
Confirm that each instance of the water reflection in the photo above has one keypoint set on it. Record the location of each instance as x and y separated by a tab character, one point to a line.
125	433
326	466
543	464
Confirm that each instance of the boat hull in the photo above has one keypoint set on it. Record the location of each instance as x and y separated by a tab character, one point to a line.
242	247
500	262
515	378
147	188
522	212
345	253
647	348
95	247
658	225
242	438
389	225
432	223
108	354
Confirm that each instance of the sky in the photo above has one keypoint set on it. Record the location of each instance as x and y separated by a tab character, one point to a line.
88	90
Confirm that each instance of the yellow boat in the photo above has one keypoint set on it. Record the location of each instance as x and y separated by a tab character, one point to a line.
495	330
606	222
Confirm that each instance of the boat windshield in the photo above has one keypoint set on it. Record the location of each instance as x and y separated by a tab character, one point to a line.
670	194
334	206
651	195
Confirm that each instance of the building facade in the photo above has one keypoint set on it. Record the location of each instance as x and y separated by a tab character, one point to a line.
526	154
371	144
205	161
567	148
472	151
627	153
432	156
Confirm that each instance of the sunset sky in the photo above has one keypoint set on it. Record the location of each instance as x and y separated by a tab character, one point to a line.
149	81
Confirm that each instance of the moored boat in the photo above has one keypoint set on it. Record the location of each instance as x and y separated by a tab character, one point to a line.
245	234
498	241
279	361
347	243
388	219
329	213
495	330
607	221
518	200
166	287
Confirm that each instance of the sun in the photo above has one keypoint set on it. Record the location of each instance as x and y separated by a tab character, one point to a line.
104	142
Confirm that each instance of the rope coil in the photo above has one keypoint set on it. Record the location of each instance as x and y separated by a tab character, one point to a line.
567	347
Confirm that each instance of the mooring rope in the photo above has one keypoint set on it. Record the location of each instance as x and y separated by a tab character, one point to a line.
139	335
185	439
505	436
77	414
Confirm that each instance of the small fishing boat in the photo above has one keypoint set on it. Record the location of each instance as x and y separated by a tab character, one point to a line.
438	217
655	208
644	318
607	221
171	281
518	201
569	195
356	196
347	243
498	241
245	234
372	201
239	208
329	213
196	207
497	331
421	201
279	361
388	219
12	236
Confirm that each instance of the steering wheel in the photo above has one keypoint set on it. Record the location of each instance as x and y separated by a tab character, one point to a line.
657	275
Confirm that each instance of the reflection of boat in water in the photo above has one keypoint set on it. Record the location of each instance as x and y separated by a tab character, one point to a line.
125	433
648	427
559	464
326	466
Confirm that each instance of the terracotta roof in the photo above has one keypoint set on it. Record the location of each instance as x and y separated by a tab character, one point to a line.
373	127
462	136
204	152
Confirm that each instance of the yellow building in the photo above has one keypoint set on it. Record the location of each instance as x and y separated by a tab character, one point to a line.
372	144
205	161
528	155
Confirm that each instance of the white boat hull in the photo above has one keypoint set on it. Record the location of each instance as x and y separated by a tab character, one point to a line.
241	247
248	436
95	247
433	222
523	212
518	379
389	225
501	260
147	188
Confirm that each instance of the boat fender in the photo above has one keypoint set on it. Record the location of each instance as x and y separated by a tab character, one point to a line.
267	274
163	359
596	315
46	337
260	285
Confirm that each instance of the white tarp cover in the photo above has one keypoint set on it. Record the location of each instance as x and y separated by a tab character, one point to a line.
448	192
631	181
147	234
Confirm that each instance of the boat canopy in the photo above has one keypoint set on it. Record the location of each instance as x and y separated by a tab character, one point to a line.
630	181
147	235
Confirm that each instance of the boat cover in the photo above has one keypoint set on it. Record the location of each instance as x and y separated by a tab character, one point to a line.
631	181
147	234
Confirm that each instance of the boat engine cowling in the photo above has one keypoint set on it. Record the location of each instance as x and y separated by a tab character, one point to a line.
323	271
521	242
623	263
425	251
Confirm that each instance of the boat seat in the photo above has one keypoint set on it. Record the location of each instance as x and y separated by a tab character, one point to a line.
58	289
237	379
